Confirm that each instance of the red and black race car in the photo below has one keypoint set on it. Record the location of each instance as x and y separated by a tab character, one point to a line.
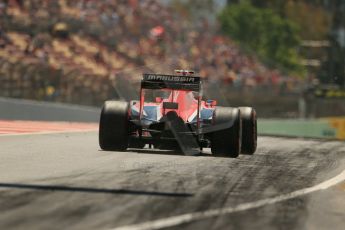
171	114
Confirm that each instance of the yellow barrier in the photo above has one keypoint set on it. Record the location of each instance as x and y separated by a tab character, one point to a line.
339	124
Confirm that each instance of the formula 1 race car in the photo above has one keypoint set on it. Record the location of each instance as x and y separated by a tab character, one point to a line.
172	115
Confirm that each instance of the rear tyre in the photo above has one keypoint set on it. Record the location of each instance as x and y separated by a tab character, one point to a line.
113	126
249	130
227	140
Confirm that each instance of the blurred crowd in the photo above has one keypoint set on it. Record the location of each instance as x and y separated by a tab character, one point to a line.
77	51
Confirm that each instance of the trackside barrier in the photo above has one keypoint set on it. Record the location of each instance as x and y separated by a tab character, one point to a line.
330	128
339	124
18	109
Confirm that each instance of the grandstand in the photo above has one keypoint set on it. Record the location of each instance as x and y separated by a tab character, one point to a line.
74	51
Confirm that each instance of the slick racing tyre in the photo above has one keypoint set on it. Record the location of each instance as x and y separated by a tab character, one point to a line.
113	126
226	141
249	130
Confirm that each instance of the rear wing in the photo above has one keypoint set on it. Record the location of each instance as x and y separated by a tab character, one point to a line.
163	81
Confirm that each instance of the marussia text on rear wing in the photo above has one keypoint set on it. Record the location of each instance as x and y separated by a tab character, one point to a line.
163	81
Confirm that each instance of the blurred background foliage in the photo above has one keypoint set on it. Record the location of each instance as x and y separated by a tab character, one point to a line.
319	21
313	20
262	29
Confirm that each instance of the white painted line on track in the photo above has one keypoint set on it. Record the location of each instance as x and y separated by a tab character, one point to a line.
50	132
194	216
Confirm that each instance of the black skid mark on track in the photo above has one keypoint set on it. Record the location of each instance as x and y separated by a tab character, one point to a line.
61	188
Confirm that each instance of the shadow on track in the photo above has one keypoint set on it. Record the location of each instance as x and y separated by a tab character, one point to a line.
166	152
157	151
61	188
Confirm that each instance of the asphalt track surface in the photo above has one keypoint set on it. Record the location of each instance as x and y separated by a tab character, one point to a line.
64	181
